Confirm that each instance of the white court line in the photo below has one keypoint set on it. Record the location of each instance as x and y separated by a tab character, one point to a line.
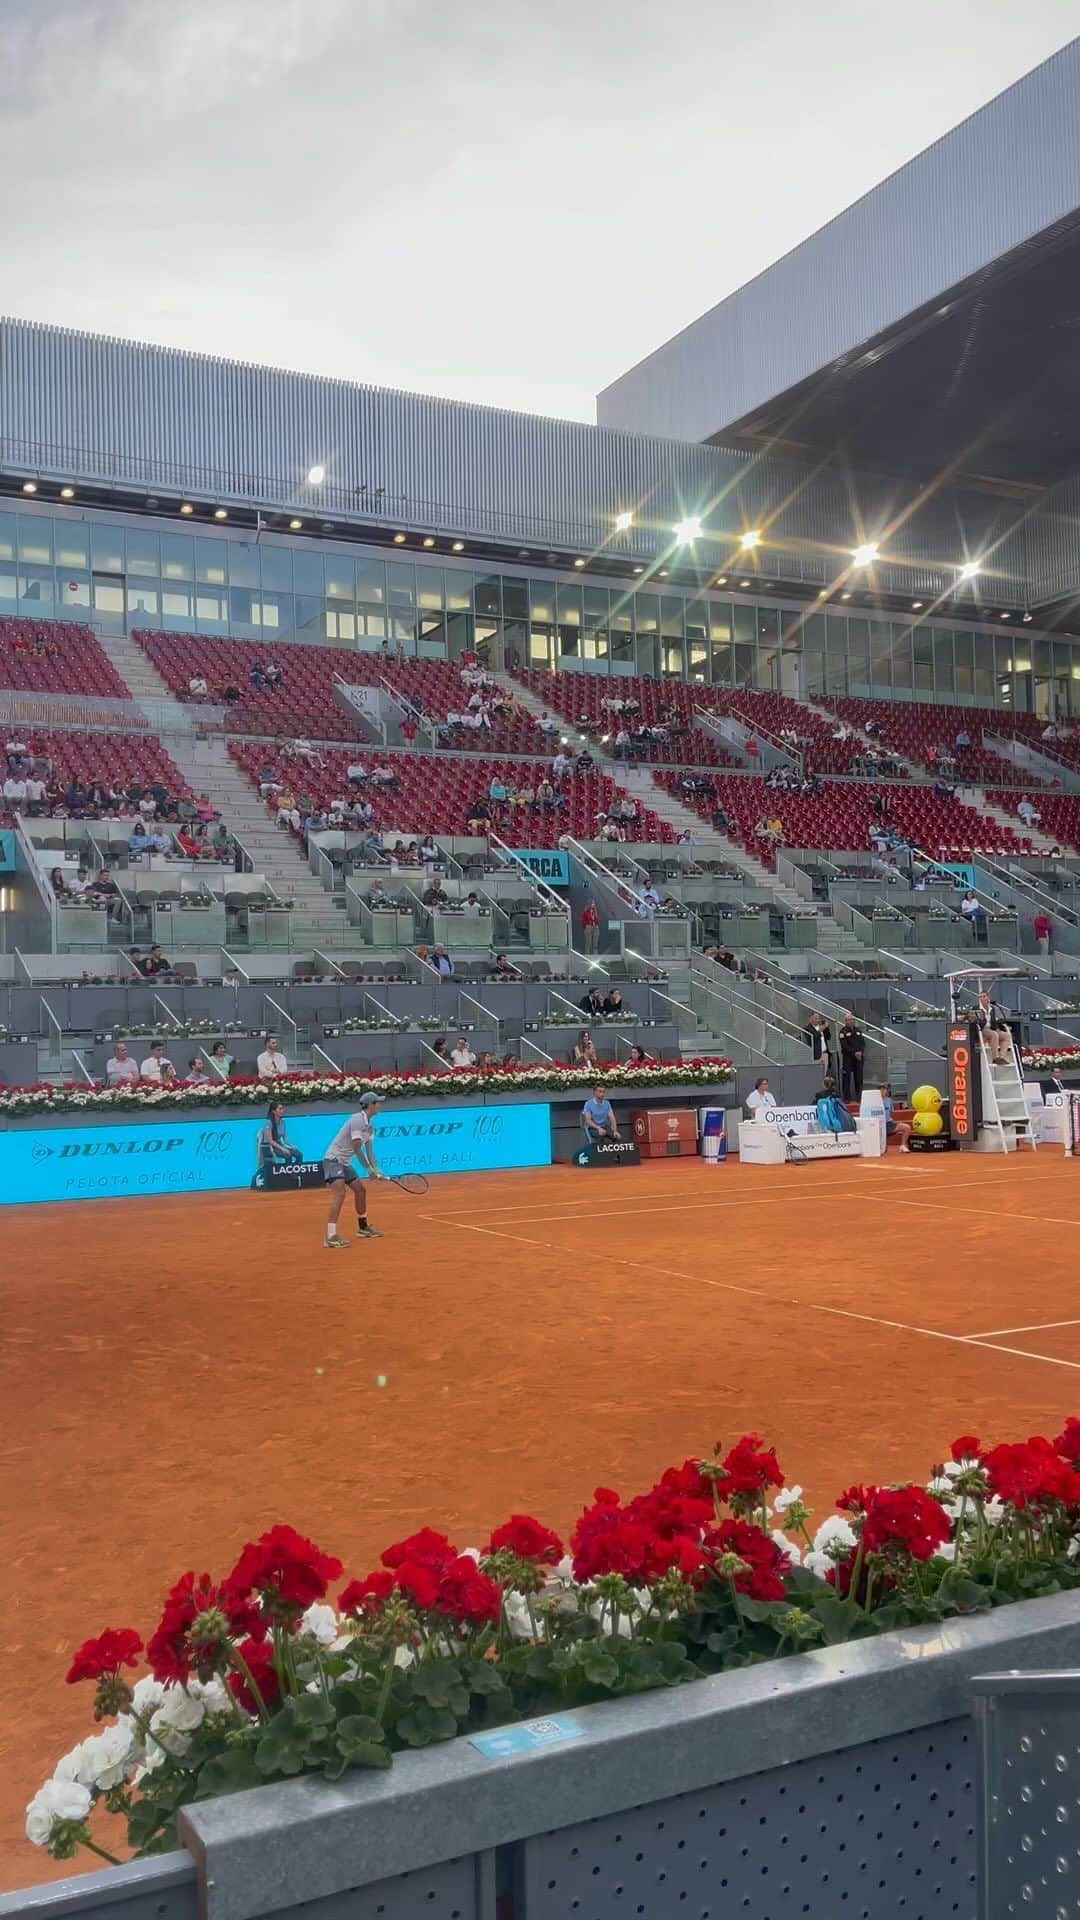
759	1293
1038	1326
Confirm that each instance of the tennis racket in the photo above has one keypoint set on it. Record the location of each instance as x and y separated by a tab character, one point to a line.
794	1154
409	1182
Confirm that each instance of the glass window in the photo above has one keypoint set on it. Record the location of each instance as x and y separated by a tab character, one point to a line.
859	656
141	549
836	655
371	623
108	597
72	544
341	625
74	592
768	627
488	597
569	641
308	578
210	559
212	611
272	612
243	559
814	654
924	659
142	604
7	536
371	580
401	583
964	667
671	617
720	640
341	577
569	602
277	568
880	652
597	606
36	591
459	590
515	593
432	633
8	585
35	540
943	660
106	549
540	646
307	610
175	608
901	658
177	557
791	631
429	588
459	633
984	669
647	612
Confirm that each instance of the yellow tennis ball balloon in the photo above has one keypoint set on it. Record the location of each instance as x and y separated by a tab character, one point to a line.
926	1100
927	1124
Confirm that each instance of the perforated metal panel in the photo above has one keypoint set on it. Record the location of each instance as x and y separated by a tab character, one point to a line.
452	1890
1030	1812
883	1831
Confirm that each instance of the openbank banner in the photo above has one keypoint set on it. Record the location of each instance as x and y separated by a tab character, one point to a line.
212	1155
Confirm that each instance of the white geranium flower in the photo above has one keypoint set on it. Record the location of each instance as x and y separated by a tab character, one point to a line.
404	1657
78	1765
948	1551
147	1695
213	1693
941	1488
179	1712
787	1546
994	1511
835	1536
57	1800
786	1498
517	1615
321	1622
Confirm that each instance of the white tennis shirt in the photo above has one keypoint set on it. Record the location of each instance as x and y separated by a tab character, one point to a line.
357	1131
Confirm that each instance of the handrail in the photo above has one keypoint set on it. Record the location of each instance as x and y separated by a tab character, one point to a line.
779	1022
578	1012
327	960
83	1068
378	1005
234	965
552	901
167	1010
487	1018
53	1022
533	1048
286	1020
316	1051
597	869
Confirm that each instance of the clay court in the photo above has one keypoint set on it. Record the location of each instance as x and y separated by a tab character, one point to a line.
178	1374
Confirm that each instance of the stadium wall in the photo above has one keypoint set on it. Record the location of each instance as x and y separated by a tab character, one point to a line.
841	1781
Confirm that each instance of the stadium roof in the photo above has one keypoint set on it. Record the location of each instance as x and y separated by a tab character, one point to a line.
931	328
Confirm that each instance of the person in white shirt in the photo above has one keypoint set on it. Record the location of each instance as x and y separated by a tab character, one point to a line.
759	1097
461	1054
197	685
271	1060
355	1139
650	901
546	724
1028	814
120	1069
79	882
155	1060
304	750
35	793
561	764
356	773
15	790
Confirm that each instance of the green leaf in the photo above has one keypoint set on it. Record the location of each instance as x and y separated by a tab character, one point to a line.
599	1668
310	1709
280	1749
483	1676
723	1640
233	1771
423	1725
841	1619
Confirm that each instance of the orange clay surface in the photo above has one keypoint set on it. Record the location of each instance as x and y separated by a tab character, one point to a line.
178	1373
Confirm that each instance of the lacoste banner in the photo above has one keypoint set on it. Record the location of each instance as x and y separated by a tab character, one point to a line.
204	1156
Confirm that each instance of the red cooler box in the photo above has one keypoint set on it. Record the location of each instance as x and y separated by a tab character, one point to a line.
666	1133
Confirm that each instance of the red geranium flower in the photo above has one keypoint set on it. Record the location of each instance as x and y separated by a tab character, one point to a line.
1068	1441
258	1658
1030	1474
854	1499
526	1539
766	1564
466	1596
908	1518
288	1573
425	1545
178	1648
419	1580
115	1648
966	1448
365	1596
750	1467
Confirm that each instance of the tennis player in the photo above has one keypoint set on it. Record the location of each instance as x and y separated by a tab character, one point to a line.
356	1139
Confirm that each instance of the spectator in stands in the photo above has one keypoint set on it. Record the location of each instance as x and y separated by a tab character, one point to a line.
16	751
59	885
976	916
598	1117
638	1058
479	817
471	904
509	1063
275	679
522	797
153	964
759	1099
497	792
230	693
720	821
271	1062
378	896
613	1004
1043	927
120	1068
461	1053
197	687
384	777
355	773
429	850
257	677
593	1004
561	764
546	795
442	1054
35	795
221	1060
546	724
15	792
648	904
304	751
852	1058
196	1075
962	741
590	926
584	762
819	1036
104	891
436	895
155	1060
584	1053
502	970
442	963
1026	811
611	830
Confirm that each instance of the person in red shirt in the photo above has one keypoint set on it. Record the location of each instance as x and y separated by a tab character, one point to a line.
590	926
1043	930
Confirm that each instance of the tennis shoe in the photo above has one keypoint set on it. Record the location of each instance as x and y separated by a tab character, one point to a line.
335	1240
368	1233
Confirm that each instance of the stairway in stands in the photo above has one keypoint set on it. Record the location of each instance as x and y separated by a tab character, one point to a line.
145	684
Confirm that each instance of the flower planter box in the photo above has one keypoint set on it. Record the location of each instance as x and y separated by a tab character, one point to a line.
838	1782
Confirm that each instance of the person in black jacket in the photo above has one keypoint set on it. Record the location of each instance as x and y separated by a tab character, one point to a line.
819	1035
852	1058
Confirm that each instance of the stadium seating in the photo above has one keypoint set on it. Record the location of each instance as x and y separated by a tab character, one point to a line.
1059	813
55	656
304	705
112	758
435	793
916	730
840	817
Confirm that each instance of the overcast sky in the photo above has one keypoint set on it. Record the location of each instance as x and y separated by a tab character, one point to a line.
508	201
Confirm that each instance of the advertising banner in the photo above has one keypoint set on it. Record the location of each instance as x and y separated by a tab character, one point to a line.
7	850
788	1119
205	1156
965	1090
547	864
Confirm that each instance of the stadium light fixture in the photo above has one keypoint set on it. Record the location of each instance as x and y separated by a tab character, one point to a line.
866	554
750	539
916	605
221	513
969	570
639	569
428	541
823	593
459	546
1004	616
187	508
579	563
623	522
663	573
295	525
1027	619
67	493
721	580
688	530
29	486
399	539
316	474
845	596
744	584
